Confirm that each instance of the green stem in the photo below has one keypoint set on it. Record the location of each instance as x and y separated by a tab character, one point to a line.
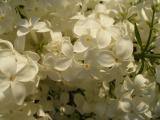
142	67
150	32
152	55
146	55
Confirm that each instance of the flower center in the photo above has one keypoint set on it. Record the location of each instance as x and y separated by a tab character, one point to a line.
12	78
86	66
88	39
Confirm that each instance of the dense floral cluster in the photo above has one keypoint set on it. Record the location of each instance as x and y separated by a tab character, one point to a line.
79	60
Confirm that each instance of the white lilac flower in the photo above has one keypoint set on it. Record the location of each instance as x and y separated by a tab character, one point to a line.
33	24
17	73
62	50
87	26
62	63
55	45
105	33
84	43
122	51
79	59
136	109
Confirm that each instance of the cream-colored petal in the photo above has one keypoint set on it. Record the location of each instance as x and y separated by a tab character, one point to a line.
103	38
106	21
124	49
33	55
140	81
4	84
87	26
41	27
28	72
4	44
125	106
62	64
7	62
18	91
21	61
67	48
106	59
79	47
22	31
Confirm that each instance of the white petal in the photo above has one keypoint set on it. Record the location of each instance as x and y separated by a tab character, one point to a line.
68	74
142	107
84	27
79	47
79	28
56	36
4	44
24	23
125	106
4	84
62	64
78	16
67	48
2	97
22	31
28	72
45	29
124	49
49	60
106	21
140	81
7	62
103	38
34	56
18	91
34	20
41	27
21	61
127	84
149	114
100	8
106	59
144	14
88	41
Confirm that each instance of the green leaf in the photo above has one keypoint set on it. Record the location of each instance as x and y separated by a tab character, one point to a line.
138	37
142	67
